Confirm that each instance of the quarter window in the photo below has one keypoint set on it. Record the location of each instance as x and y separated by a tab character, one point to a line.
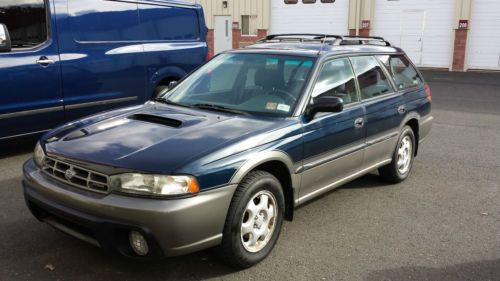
337	79
372	80
26	21
404	74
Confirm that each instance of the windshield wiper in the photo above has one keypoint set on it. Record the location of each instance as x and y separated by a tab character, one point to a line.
169	102
221	108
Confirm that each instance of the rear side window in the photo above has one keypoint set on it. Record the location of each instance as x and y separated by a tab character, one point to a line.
404	74
372	80
26	21
168	23
336	79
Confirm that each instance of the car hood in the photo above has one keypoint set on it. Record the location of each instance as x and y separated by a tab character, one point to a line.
153	137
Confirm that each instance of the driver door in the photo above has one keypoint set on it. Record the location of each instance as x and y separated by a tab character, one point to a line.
333	142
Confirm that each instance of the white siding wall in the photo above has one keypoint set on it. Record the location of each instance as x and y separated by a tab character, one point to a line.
484	35
438	32
236	8
320	17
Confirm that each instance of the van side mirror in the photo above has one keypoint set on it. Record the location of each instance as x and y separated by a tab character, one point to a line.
5	43
324	104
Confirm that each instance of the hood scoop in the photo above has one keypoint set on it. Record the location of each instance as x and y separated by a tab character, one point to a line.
174	123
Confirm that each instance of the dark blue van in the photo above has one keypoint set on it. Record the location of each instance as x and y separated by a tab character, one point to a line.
64	59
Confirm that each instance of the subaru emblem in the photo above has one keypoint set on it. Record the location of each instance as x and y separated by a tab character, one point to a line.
69	174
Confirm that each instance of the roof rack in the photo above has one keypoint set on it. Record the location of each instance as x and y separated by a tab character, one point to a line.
331	39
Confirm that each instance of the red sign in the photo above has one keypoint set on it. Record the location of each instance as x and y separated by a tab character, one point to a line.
365	24
463	24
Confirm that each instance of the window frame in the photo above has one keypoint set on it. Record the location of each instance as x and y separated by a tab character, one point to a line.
249	26
47	38
384	70
358	92
417	86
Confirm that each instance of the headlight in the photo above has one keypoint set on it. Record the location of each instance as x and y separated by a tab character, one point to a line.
39	155
154	185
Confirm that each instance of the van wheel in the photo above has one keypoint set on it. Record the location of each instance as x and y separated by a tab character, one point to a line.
159	89
402	158
254	220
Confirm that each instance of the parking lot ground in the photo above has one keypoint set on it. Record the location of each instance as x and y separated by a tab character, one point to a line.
443	223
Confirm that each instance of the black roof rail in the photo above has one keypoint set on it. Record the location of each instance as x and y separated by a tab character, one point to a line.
325	38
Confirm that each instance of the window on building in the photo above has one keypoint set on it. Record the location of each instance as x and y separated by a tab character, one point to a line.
337	79
372	80
308	1
404	74
26	22
291	1
247	25
327	1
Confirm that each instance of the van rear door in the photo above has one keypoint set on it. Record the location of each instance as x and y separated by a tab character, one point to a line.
30	76
101	56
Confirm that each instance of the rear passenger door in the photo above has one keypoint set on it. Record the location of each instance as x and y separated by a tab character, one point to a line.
383	109
101	55
333	142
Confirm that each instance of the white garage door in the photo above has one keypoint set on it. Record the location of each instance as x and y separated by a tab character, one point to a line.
328	18
423	28
484	35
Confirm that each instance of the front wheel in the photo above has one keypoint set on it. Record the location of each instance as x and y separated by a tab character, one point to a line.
402	158
254	220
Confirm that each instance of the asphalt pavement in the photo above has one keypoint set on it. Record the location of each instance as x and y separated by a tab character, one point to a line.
443	223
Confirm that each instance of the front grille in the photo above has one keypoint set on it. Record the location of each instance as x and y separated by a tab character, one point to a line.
76	176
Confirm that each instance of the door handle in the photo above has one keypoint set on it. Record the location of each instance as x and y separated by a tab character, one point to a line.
402	109
44	61
358	123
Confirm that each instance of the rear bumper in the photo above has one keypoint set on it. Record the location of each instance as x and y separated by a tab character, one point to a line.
425	127
171	227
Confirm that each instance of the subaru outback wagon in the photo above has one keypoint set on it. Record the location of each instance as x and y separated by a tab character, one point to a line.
223	157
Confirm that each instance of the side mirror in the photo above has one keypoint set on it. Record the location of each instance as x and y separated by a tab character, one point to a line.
5	43
324	104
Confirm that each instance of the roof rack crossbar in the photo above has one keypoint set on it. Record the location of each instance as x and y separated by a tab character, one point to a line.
323	38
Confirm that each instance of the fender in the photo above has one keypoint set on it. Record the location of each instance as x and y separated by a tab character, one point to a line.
263	157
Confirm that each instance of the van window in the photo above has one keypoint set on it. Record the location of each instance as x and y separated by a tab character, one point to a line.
372	80
26	21
168	23
336	79
404	74
104	21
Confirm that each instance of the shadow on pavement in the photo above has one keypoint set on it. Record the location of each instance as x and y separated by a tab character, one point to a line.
480	271
17	146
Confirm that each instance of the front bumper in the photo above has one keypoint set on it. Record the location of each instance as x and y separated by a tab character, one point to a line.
171	227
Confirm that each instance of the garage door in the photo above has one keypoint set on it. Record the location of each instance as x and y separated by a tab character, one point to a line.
329	18
423	28
484	35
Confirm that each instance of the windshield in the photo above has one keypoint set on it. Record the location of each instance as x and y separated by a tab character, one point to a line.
261	84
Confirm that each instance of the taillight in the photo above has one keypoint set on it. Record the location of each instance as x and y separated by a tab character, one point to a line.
428	92
209	56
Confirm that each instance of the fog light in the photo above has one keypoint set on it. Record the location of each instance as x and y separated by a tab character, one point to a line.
138	243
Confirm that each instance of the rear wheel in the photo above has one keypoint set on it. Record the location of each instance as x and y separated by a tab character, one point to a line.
254	220
402	158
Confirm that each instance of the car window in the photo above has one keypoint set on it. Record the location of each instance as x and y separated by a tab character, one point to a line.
371	78
26	21
336	78
256	83
404	74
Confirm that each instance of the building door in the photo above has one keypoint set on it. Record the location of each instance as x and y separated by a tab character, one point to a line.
423	28
223	34
412	34
483	48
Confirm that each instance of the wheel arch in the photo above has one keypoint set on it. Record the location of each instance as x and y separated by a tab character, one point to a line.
412	120
280	165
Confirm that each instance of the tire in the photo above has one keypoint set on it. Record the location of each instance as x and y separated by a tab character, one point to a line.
402	159
239	250
158	90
